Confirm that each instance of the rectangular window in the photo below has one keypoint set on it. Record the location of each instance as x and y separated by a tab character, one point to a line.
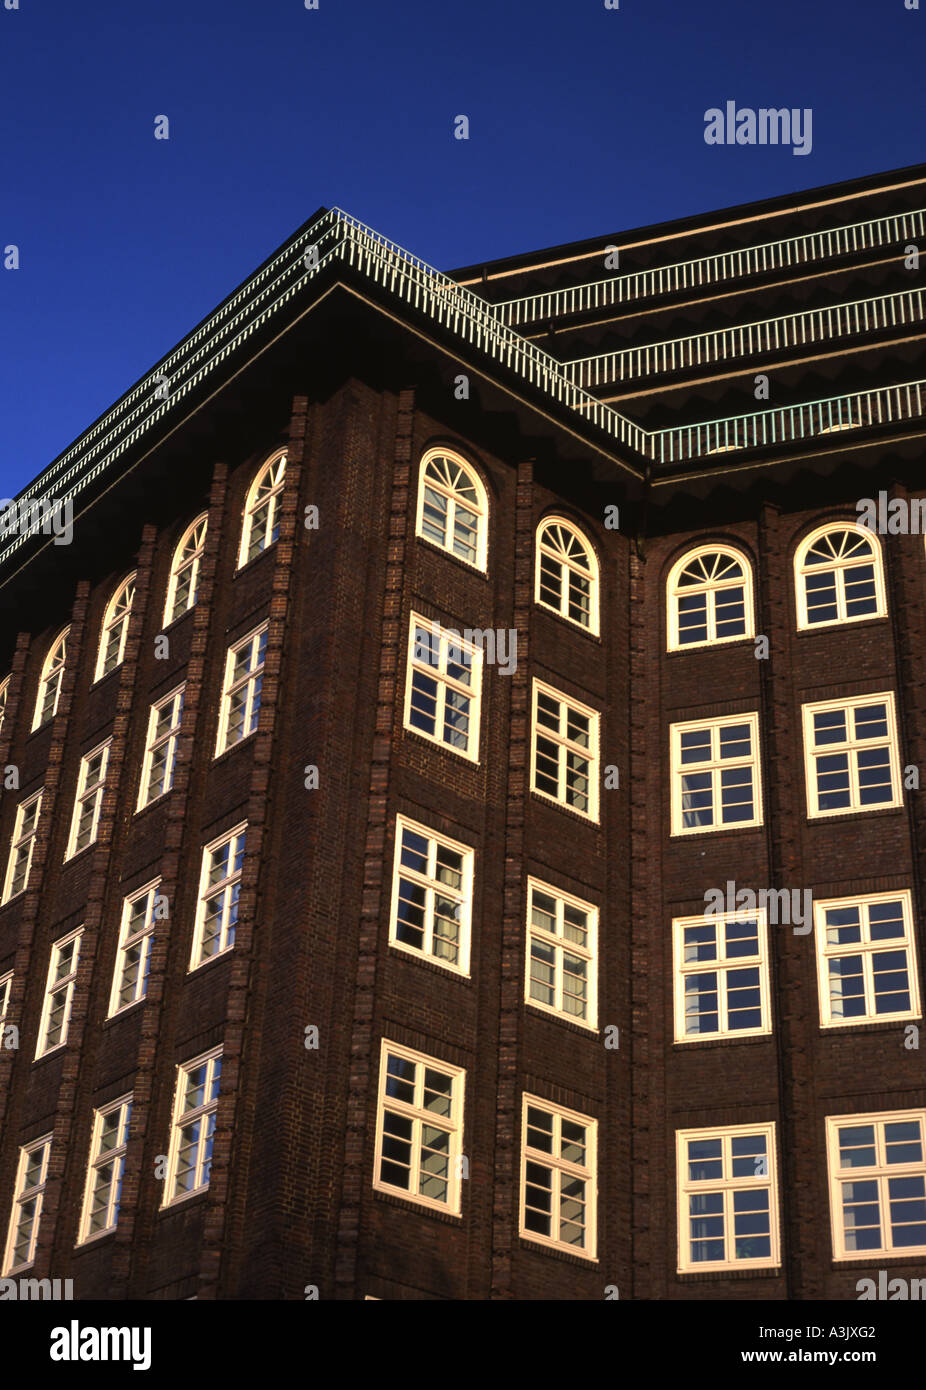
443	685
727	1198
715	774
432	896
6	985
560	965
27	1205
419	1128
851	755
721	976
196	1101
244	676
157	773
866	960
219	887
558	1177
877	1166
105	1167
24	832
91	781
59	993
133	957
564	762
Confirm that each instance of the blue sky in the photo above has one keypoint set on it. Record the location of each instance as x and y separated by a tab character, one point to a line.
583	122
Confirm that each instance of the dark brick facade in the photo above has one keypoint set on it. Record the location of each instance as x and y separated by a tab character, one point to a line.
290	1201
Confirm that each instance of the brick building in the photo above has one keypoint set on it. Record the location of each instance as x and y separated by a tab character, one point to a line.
430	655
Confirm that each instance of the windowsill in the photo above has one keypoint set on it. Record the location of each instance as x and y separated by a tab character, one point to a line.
430	962
421	1208
457	560
572	1257
827	817
213	960
585	1030
580	816
227	751
432	743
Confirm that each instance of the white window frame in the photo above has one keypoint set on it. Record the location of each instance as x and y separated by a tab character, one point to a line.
142	936
6	988
710	588
480	509
185	559
565	745
432	886
568	565
54	985
52	672
446	640
4	698
22	843
850	747
560	947
560	1169
880	1173
866	948
415	1112
721	966
154	742
118	615
23	1194
98	1162
714	766
801	570
255	499
88	792
205	1113
227	886
247	682
728	1184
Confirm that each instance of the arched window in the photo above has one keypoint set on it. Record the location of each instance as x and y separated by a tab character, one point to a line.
838	576
4	692
566	573
453	508
262	509
709	594
184	571
115	629
46	704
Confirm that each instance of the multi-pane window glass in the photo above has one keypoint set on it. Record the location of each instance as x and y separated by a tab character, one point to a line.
196	1101
878	1183
715	774
244	678
28	1196
866	959
4	695
452	508
49	693
157	772
721	976
419	1128
24	832
59	993
710	599
262	510
432	898
184	571
558	1177
133	958
91	780
727	1200
6	986
560	962
115	629
105	1167
566	574
851	756
443	686
564	763
839	580
219	887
